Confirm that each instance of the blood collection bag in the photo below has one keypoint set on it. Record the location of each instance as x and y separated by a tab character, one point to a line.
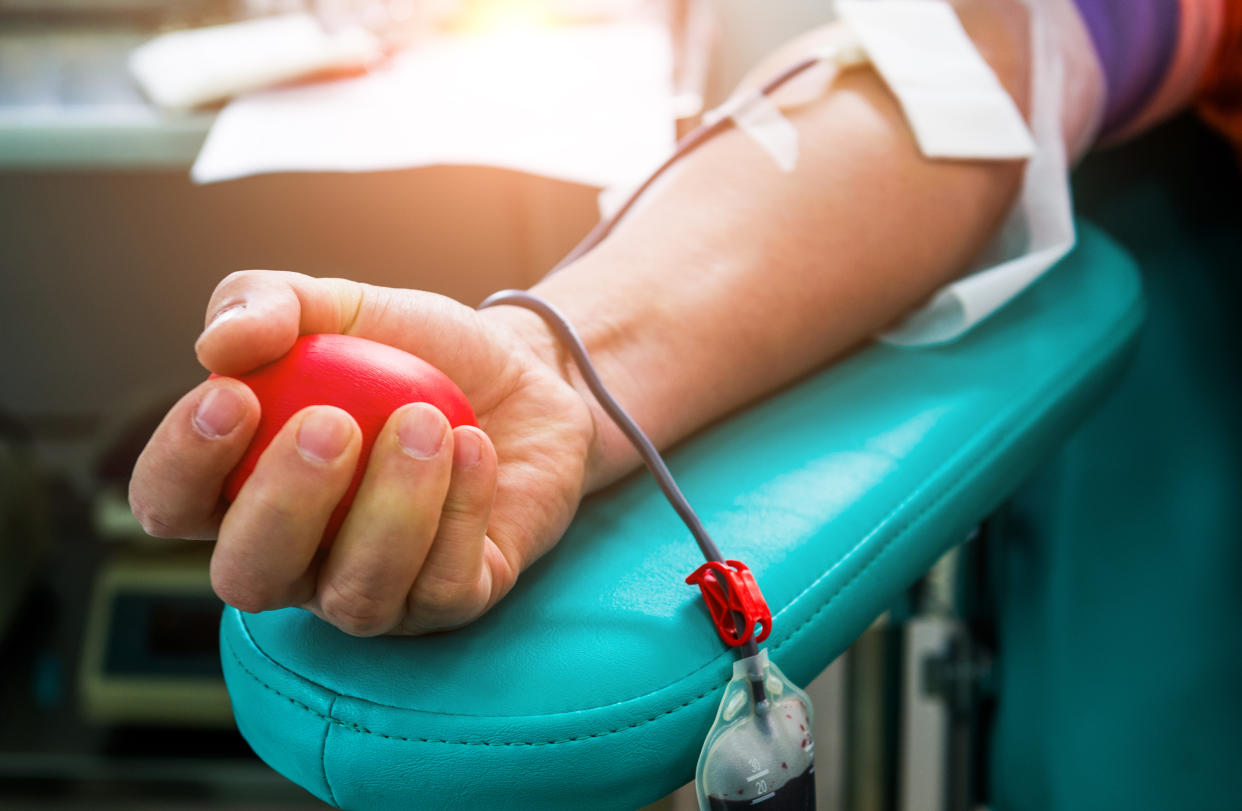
759	753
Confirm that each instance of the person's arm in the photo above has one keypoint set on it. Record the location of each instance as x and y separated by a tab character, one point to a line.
736	278
731	279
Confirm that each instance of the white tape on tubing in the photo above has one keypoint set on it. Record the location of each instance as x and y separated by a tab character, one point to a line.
760	117
757	116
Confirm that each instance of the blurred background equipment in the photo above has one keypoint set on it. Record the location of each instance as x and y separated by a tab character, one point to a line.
23	519
150	653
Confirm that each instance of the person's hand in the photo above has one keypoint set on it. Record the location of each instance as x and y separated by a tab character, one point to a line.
444	520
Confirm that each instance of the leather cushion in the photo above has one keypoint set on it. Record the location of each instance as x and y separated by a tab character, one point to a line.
594	682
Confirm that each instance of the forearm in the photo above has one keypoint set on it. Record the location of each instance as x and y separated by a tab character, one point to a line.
735	278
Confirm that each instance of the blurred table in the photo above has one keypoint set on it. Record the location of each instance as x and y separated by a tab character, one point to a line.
67	101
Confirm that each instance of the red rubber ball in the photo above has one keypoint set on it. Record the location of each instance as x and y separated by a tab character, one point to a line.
369	380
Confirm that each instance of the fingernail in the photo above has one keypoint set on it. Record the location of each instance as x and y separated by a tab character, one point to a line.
467	448
219	412
421	432
324	435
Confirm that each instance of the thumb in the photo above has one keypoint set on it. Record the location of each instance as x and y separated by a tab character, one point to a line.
255	316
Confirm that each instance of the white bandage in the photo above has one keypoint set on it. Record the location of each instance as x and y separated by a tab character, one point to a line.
1040	227
951	98
957	109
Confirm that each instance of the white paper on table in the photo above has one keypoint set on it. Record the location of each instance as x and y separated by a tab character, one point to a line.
588	104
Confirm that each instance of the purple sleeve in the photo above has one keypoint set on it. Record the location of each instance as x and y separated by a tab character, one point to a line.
1134	40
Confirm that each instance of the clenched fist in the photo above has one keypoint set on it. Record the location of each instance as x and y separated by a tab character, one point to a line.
444	520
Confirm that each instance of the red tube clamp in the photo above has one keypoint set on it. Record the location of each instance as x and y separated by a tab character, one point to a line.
732	593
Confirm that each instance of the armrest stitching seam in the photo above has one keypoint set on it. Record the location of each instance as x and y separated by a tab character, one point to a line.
363	730
323	747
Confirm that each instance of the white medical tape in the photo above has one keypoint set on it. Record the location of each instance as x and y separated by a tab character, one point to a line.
844	52
1039	229
760	117
757	116
951	98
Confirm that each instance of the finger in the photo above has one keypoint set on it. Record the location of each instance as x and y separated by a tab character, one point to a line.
271	532
454	586
384	540
176	485
254	316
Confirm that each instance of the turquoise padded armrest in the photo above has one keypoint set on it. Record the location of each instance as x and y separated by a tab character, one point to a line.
593	683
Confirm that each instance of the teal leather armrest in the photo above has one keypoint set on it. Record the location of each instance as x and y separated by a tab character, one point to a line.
593	683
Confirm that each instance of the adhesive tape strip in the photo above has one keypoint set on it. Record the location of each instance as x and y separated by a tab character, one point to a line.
951	98
760	117
757	116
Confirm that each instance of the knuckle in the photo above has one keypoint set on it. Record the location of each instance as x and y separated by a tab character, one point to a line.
356	610
504	578
155	523
457	520
273	509
437	602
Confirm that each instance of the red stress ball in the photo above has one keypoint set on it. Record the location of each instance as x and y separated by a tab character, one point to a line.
369	380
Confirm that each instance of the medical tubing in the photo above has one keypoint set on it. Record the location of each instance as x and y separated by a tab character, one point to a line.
568	336
685	146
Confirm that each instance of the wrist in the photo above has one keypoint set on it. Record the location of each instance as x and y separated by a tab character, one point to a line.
546	357
609	454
